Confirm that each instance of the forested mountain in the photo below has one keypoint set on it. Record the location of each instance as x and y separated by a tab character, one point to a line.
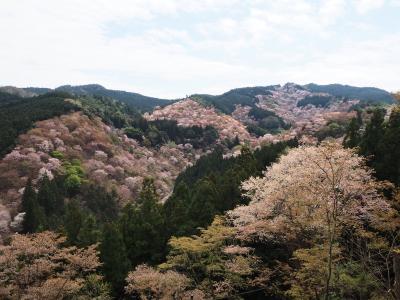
225	102
138	101
38	90
368	94
12	90
248	96
277	192
18	114
272	109
241	96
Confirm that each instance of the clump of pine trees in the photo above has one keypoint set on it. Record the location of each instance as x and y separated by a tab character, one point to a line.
379	141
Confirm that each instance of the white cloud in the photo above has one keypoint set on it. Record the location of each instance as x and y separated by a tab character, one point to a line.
331	10
365	63
364	6
215	46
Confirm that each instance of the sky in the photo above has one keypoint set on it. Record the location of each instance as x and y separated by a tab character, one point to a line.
173	48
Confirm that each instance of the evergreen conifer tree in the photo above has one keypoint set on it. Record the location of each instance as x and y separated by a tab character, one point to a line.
73	222
89	233
373	134
389	163
352	138
33	214
49	196
114	258
175	210
143	227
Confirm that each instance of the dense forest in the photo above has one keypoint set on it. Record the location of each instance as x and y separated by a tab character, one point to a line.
152	150
17	114
366	94
319	101
227	101
285	220
247	96
149	133
378	140
266	122
91	214
159	132
140	102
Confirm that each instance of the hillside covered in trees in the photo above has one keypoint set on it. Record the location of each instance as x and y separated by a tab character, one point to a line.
138	101
366	94
17	114
278	192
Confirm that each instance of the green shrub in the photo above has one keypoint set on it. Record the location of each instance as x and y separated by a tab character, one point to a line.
57	154
72	183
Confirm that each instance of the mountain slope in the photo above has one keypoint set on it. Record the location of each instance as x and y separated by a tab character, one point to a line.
12	90
191	113
18	114
368	94
247	96
228	101
140	102
55	134
240	96
37	90
106	157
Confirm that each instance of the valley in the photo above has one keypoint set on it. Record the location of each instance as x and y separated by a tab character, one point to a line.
153	181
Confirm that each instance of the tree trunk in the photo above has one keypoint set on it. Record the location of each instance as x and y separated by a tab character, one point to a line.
328	280
332	232
396	269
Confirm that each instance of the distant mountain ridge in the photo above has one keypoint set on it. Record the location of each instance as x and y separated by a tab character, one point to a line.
12	90
140	102
226	102
246	96
37	90
369	94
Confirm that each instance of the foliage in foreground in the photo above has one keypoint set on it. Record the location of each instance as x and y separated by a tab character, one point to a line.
323	203
38	266
316	227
